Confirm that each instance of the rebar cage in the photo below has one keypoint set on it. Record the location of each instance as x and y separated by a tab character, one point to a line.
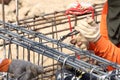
38	40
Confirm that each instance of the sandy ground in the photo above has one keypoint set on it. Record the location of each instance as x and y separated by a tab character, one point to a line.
58	5
30	8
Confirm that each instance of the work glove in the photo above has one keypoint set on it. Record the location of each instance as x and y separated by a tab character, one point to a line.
80	42
82	5
89	29
24	70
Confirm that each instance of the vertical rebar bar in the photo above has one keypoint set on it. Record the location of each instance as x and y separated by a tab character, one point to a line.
34	59
17	22
17	12
75	24
9	51
3	18
28	50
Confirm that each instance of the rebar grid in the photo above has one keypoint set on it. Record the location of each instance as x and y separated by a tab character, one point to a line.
43	49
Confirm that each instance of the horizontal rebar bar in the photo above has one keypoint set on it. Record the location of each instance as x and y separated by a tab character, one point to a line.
50	15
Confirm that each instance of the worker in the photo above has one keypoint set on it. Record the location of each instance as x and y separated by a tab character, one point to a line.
103	39
21	70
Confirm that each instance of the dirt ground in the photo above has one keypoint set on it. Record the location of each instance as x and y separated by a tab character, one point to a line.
30	8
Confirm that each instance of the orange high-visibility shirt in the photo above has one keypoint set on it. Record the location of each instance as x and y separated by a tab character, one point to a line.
104	47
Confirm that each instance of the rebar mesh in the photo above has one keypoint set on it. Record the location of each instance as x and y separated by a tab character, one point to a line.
37	39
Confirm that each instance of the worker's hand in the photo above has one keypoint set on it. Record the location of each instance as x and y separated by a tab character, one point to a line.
24	70
89	29
80	41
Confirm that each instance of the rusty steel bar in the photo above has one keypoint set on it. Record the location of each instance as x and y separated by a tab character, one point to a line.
61	17
61	14
61	20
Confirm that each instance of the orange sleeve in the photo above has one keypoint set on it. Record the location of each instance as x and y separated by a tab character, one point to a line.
103	23
104	47
4	65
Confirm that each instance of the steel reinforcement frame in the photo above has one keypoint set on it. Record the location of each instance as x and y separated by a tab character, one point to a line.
38	40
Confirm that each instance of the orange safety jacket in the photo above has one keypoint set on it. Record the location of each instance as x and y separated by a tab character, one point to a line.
104	47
